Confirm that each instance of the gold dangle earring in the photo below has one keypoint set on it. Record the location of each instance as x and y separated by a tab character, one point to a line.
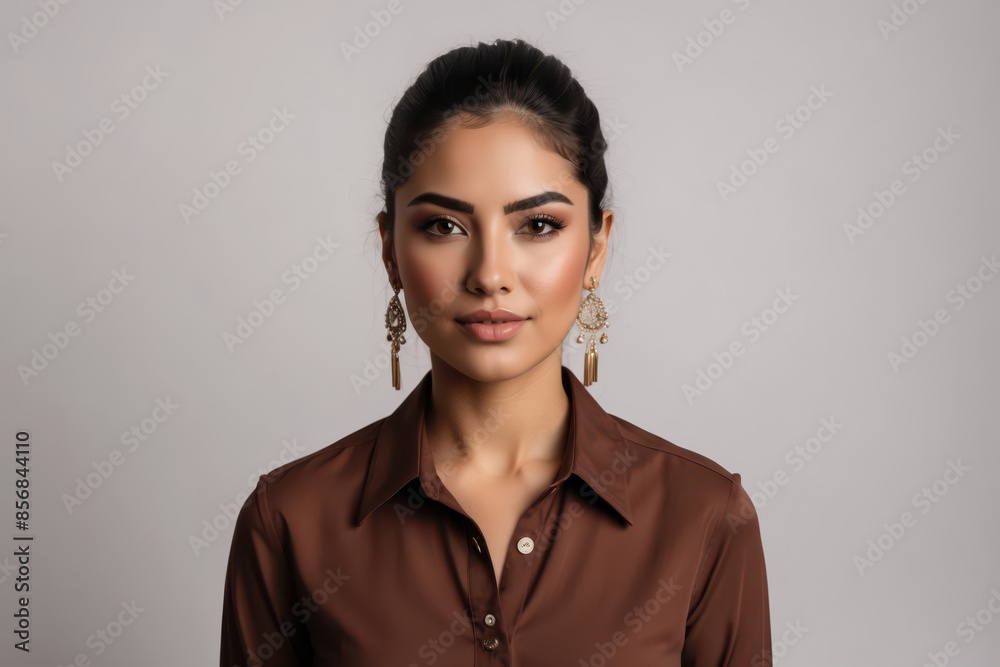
591	318
395	322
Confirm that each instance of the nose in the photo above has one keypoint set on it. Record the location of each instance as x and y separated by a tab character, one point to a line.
490	270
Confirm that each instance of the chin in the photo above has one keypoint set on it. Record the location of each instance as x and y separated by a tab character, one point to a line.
487	366
487	362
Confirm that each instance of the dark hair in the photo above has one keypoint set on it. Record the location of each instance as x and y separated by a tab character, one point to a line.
473	86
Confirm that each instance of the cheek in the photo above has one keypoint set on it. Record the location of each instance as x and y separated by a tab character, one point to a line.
426	282
555	283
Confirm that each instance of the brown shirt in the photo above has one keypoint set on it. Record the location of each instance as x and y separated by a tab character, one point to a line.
641	553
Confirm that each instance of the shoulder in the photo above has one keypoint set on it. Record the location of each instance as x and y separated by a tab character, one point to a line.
689	486
662	462
336	469
362	438
659	447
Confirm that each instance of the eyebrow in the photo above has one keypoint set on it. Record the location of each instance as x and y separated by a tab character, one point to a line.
466	207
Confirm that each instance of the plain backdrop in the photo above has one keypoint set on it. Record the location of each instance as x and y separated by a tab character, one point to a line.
812	184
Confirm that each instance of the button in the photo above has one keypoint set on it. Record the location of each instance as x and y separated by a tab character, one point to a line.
490	619
525	545
490	643
476	542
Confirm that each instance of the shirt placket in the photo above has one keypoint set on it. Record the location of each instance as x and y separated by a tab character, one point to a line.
496	606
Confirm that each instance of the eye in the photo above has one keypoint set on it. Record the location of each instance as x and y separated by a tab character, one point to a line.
442	222
537	223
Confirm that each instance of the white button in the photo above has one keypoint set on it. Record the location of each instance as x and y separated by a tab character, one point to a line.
490	619
525	545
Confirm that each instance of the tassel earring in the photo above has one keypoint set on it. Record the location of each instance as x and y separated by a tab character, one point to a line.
591	318
395	322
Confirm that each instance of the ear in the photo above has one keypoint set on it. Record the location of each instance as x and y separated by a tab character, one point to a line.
388	251
600	253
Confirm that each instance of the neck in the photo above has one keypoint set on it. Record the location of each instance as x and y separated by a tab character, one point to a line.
497	427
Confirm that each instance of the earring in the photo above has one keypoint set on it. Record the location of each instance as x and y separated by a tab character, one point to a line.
395	322
591	318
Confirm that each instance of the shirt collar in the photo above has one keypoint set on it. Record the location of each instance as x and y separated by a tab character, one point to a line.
595	452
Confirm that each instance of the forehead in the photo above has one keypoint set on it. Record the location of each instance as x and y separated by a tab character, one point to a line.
490	166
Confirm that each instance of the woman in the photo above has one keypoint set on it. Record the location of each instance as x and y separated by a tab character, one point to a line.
499	515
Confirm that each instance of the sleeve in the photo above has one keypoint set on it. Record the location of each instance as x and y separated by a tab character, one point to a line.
258	627
729	621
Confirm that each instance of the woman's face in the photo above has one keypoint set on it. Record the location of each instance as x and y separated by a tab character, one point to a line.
468	237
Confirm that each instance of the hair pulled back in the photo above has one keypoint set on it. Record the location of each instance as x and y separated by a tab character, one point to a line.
474	86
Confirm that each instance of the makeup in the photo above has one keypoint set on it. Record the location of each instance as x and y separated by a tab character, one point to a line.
492	333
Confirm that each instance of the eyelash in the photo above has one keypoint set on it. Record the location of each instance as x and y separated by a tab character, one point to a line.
543	217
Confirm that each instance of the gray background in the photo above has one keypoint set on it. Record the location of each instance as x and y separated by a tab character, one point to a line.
675	132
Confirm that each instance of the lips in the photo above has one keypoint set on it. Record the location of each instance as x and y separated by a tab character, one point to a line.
491	317
491	326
